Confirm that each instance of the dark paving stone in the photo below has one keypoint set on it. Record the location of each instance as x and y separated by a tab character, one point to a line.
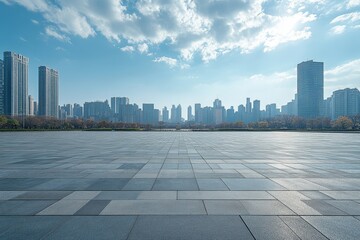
140	184
45	195
65	184
190	227
16	184
175	184
301	228
24	207
117	195
97	228
105	184
324	208
132	166
26	227
268	227
93	207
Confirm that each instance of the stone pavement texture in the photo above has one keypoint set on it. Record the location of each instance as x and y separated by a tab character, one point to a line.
179	185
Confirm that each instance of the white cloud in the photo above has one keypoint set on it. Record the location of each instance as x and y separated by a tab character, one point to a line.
353	3
339	29
143	48
127	49
345	21
172	62
189	27
51	32
34	21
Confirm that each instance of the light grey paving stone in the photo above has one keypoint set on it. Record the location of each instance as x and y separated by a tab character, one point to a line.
45	195
266	207
64	207
154	207
343	195
348	206
148	195
268	227
28	227
82	195
100	227
315	195
190	227
336	227
298	184
251	184
117	195
301	228
211	184
6	195
224	195
225	207
295	201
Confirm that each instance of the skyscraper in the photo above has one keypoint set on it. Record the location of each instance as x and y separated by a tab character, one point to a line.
31	106
218	111
1	87
189	114
165	114
178	118
198	115
48	92
15	84
256	111
310	88
149	113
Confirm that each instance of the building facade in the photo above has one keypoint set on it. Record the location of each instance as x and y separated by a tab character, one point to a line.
15	84
1	87
310	89
48	92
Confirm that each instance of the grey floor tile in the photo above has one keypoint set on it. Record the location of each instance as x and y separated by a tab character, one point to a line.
336	227
268	227
222	195
251	184
167	184
100	227
64	207
154	207
190	227
301	228
139	184
45	195
266	207
24	207
93	207
348	206
211	184
225	207
28	227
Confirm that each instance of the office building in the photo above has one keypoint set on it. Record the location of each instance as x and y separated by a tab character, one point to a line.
345	102
189	114
97	110
15	84
78	111
198	115
148	114
218	111
48	92
165	114
256	111
1	87
310	89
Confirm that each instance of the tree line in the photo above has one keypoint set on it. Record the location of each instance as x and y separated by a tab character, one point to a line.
279	122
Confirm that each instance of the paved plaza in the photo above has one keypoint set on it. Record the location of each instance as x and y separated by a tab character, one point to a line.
179	185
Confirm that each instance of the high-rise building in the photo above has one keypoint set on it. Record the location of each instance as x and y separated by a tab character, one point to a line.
230	115
36	108
310	88
97	110
178	113
248	105
31	106
165	114
15	84
173	114
78	111
345	102
256	111
117	104
240	116
198	115
189	114
1	87
218	111
149	116
48	92
271	110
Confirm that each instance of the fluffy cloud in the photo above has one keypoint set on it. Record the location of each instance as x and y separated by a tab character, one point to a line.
344	21
172	62
189	27
51	32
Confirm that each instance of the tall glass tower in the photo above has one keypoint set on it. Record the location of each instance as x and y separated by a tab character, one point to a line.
48	92
15	84
310	89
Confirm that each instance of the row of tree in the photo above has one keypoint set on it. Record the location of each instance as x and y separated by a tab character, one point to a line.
280	122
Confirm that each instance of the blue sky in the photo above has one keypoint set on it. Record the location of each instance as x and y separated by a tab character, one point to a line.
183	51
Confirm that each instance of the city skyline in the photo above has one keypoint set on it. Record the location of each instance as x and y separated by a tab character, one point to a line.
147	71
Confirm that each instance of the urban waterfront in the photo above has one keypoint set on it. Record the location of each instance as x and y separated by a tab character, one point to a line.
179	185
